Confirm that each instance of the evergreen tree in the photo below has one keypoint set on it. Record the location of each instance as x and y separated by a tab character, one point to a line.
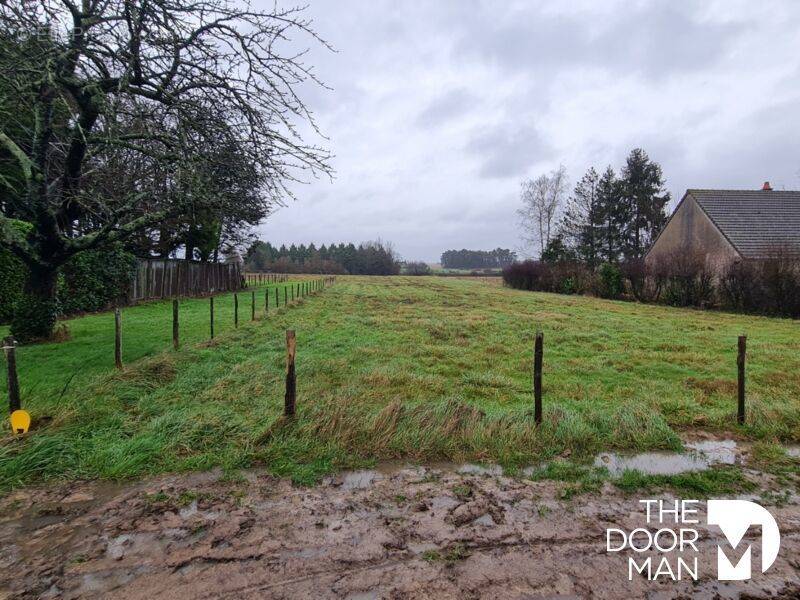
581	225
644	193
613	214
557	251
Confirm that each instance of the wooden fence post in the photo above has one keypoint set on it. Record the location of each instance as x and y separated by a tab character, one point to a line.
292	292
266	301
211	313
117	338
740	363
10	349
253	307
538	351
236	310
277	300
175	330
290	398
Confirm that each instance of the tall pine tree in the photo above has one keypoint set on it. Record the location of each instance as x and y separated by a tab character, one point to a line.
581	225
644	195
613	215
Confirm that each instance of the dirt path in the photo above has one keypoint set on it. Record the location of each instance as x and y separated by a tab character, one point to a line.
411	533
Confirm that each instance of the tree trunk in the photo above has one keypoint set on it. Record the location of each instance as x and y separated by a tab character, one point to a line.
36	311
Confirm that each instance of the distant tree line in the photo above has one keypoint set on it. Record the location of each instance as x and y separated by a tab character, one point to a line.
369	258
477	259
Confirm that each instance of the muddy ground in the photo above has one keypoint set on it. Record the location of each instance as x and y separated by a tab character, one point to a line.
406	533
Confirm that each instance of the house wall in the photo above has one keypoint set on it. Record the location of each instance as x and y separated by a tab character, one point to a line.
690	230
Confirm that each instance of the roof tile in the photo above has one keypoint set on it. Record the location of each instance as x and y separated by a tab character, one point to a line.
756	222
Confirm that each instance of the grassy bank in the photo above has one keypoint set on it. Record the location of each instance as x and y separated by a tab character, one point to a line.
418	368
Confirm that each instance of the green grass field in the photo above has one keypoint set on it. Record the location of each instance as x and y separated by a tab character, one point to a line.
403	367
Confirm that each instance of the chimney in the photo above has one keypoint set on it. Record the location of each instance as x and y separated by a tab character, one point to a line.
766	187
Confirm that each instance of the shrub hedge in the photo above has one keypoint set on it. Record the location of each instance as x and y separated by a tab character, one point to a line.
770	286
12	276
95	280
90	281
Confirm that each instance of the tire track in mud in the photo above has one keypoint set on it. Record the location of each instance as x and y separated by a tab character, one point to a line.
488	545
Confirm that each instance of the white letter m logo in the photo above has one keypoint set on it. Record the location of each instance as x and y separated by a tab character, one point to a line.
734	517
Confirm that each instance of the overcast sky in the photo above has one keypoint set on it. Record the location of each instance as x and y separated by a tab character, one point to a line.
439	109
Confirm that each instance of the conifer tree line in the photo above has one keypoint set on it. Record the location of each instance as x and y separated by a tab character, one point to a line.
369	258
608	217
477	259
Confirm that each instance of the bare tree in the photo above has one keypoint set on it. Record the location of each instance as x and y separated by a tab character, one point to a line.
542	199
114	83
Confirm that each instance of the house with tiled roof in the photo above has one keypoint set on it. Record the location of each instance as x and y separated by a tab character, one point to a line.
731	225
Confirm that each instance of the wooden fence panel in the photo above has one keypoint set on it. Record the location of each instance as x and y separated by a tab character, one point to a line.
159	278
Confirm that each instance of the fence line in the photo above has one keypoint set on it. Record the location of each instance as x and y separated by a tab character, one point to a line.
9	344
259	278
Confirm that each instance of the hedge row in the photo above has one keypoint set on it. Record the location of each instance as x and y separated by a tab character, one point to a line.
90	281
770	286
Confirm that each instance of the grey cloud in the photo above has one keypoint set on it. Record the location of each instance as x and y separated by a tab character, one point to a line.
446	107
508	151
661	39
652	38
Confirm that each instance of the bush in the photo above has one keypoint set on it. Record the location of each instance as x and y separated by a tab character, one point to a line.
570	277
12	278
687	280
95	280
780	280
740	287
528	275
770	286
417	268
641	283
609	281
13	273
560	277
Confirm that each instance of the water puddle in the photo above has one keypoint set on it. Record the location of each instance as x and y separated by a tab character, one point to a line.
699	456
365	478
488	470
360	480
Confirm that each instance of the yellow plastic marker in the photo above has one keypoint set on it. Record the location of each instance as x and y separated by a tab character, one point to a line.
20	421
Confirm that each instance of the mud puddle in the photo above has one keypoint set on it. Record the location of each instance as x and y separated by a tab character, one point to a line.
699	456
